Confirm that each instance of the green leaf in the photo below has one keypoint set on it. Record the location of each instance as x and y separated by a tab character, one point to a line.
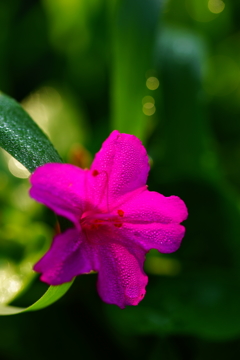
22	138
52	294
133	39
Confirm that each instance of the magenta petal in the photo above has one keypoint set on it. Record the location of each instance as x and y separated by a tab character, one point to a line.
68	257
166	238
121	279
61	188
123	165
152	207
151	220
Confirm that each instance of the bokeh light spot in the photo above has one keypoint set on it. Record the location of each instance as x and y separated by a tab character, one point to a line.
11	283
152	83
149	109
216	6
17	169
42	106
148	99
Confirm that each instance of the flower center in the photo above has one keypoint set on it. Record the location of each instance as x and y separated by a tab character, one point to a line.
92	220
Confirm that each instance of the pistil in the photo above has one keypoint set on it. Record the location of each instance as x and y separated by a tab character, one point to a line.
92	220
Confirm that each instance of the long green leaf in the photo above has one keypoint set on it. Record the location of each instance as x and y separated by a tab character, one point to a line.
52	294
22	138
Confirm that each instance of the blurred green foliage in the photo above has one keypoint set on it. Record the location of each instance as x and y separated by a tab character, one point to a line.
168	72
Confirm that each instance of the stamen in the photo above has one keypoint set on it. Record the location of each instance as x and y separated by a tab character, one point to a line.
118	225
120	213
104	187
95	173
107	189
92	220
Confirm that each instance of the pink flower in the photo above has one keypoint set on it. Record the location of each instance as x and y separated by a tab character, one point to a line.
116	220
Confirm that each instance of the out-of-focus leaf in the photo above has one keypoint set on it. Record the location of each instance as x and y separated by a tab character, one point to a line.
22	244
51	295
133	38
22	138
188	146
78	30
52	107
